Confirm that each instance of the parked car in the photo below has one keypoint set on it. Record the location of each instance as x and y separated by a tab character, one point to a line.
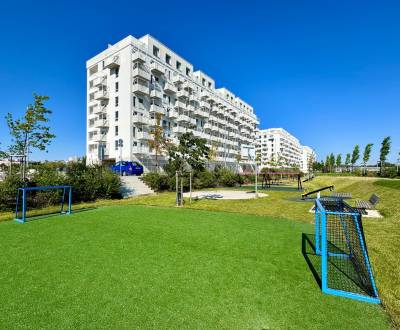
127	168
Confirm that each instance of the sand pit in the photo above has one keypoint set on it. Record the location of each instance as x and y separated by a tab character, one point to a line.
224	194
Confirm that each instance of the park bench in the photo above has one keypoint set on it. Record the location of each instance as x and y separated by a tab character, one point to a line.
369	204
342	195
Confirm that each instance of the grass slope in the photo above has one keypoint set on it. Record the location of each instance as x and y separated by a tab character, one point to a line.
147	267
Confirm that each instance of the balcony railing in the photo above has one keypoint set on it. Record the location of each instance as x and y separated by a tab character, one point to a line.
111	62
156	68
182	94
179	130
101	95
99	123
154	93
100	81
143	136
173	114
140	89
138	57
157	109
183	119
140	72
138	119
140	149
169	88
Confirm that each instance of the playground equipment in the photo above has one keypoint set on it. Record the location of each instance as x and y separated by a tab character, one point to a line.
23	194
303	196
280	178
340	242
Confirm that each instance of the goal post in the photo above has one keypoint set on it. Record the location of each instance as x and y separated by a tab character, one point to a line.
21	208
339	241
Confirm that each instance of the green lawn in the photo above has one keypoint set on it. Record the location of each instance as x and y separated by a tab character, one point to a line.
152	267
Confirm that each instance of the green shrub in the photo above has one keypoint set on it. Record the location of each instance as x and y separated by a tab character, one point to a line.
8	191
389	172
158	181
227	177
204	179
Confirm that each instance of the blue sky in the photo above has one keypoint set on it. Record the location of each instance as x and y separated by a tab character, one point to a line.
327	71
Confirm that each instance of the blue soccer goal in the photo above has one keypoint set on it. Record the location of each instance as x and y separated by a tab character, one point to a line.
340	242
31	197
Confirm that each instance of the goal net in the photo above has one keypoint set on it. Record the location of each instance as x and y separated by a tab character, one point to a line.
340	242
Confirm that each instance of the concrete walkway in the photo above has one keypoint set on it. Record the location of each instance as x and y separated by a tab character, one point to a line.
133	186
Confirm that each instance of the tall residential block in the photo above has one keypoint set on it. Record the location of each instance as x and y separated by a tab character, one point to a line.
136	85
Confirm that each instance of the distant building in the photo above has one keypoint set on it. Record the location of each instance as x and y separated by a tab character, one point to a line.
308	157
276	147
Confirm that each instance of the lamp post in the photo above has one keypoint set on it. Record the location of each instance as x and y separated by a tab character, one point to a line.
120	145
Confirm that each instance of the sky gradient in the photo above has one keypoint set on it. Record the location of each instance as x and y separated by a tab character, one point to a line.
326	71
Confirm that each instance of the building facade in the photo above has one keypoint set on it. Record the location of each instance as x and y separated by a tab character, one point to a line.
276	147
136	85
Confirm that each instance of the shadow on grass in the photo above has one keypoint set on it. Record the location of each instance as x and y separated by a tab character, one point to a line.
52	214
313	260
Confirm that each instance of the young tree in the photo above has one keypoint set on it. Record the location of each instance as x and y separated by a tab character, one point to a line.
385	149
191	151
366	156
347	161
338	160
327	162
30	131
331	162
158	143
355	156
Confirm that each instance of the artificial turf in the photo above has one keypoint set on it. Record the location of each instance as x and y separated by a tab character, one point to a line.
147	267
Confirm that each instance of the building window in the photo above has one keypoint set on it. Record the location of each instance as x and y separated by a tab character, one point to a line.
203	82
116	130
116	115
167	59
209	84
116	101
116	72
116	86
116	144
134	101
134	131
156	51
140	100
178	65
187	71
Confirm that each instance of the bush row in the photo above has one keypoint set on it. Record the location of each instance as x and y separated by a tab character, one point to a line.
220	177
89	183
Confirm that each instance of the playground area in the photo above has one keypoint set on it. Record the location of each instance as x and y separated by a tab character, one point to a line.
212	263
224	194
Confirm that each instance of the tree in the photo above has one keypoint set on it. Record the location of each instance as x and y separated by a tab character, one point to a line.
338	160
385	149
327	160
191	151
331	162
355	156
366	156
158	143
30	131
347	161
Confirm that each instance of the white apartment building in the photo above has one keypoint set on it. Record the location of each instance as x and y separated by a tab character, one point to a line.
308	156
276	147
137	84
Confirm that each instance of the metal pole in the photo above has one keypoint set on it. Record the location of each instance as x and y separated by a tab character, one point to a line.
255	163
120	160
176	188
190	185
70	200
181	191
23	205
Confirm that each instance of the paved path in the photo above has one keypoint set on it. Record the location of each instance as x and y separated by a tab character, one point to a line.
133	186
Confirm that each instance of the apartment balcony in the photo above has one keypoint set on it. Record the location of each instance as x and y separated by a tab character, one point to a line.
178	79
111	62
183	119
143	136
180	105
100	81
140	89
101	95
179	130
154	93
100	109
157	109
139	72
169	88
140	150
190	108
99	138
100	123
173	114
204	95
156	68
201	113
198	134
182	94
205	105
138	57
140	120
207	126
